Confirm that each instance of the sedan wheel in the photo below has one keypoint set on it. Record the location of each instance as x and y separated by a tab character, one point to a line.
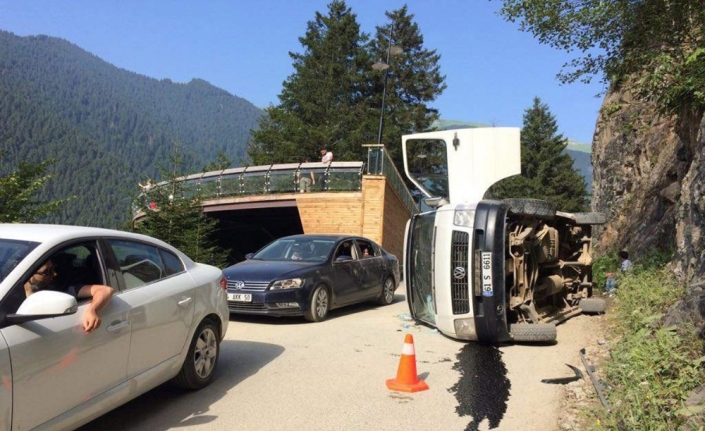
320	304
387	295
205	353
199	367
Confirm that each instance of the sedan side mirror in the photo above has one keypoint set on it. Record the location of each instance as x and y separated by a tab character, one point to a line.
42	305
248	256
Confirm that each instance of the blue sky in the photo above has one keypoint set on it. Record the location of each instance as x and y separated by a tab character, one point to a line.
493	71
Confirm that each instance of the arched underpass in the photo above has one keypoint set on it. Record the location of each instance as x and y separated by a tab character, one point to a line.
246	230
257	204
246	223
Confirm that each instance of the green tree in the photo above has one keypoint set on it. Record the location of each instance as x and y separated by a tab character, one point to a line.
174	214
324	102
18	194
547	171
413	80
661	42
222	161
334	98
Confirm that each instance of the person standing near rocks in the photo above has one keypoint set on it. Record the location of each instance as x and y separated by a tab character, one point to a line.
626	264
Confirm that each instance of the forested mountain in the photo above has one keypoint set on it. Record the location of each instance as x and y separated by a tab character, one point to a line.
106	127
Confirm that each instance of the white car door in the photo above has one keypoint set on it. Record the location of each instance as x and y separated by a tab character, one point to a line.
160	294
161	318
56	366
5	387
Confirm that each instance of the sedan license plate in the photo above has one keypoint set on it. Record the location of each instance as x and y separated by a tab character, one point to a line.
487	273
240	297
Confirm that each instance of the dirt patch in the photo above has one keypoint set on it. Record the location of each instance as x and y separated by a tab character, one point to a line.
580	398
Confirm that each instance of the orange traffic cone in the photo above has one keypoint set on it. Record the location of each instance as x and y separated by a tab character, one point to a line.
407	380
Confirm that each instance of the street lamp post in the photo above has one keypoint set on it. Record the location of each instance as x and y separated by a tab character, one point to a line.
384	65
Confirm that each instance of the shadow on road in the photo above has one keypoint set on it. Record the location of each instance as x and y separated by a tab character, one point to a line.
299	320
167	407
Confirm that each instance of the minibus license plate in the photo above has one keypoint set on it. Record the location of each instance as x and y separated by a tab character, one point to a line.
487	273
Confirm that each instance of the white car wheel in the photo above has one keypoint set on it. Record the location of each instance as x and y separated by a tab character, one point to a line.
202	358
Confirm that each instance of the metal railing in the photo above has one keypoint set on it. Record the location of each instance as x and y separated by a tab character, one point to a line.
291	178
271	179
379	163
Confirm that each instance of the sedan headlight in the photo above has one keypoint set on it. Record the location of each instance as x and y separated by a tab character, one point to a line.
291	283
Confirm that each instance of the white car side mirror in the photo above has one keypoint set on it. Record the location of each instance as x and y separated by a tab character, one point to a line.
48	303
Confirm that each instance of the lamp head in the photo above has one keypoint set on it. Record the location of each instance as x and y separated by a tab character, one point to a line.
380	65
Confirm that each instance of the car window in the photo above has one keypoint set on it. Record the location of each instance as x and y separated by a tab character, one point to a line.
377	250
66	271
345	251
78	265
139	263
172	264
367	249
317	250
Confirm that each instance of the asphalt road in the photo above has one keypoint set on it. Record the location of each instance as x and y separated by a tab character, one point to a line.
285	374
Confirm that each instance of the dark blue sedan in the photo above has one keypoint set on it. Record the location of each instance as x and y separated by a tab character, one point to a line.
309	275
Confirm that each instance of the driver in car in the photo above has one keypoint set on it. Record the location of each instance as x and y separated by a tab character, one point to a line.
45	279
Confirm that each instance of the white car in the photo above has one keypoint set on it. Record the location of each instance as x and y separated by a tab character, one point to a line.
165	321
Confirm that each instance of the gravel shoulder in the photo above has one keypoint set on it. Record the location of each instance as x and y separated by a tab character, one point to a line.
285	374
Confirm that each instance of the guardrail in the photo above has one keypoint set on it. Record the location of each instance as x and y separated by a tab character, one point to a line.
292	178
379	163
272	179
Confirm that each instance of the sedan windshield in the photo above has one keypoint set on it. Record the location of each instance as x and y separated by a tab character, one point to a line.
11	253
306	249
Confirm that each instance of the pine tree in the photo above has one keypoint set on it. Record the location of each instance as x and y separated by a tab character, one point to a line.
324	103
222	161
174	215
334	98
18	194
546	169
413	80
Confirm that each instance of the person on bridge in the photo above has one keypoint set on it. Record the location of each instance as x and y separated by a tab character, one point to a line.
147	186
305	181
326	157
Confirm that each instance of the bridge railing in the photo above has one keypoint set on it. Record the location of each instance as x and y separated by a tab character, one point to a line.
380	163
293	178
272	179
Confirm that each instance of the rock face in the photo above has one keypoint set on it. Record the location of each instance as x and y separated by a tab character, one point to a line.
649	179
690	309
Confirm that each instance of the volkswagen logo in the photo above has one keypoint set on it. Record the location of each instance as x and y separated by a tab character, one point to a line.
239	285
459	273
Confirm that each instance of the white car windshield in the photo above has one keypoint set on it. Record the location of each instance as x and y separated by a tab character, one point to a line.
11	253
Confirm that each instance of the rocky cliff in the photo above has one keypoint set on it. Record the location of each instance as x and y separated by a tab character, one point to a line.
649	179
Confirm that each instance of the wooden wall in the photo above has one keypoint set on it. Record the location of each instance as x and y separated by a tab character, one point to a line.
395	217
331	212
376	212
373	201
